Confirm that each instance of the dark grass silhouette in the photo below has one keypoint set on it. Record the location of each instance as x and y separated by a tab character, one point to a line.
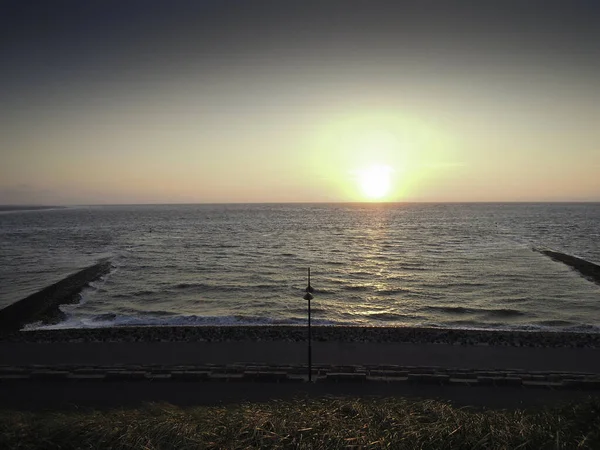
332	423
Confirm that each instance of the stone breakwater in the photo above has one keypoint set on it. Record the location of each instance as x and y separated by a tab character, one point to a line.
589	270
319	333
321	373
43	305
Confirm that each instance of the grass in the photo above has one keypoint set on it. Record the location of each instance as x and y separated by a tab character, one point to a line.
307	423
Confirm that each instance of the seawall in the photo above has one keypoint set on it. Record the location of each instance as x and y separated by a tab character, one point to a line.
43	305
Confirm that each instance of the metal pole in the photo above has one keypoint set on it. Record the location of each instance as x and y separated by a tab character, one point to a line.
309	297
309	343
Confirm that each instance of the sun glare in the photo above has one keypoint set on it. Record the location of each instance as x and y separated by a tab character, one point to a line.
375	181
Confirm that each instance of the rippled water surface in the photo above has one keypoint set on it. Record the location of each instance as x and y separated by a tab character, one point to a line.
448	265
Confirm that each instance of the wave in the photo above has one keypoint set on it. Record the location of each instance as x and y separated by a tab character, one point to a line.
516	300
357	287
409	267
556	323
465	284
450	309
393	291
224	246
167	318
503	312
172	290
583	328
336	263
390	317
226	287
530	327
322	291
471	324
314	310
333	281
105	317
109	320
135	294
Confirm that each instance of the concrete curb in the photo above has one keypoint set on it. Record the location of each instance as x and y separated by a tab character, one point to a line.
298	374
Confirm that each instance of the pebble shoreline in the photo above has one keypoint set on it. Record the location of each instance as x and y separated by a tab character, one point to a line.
319	333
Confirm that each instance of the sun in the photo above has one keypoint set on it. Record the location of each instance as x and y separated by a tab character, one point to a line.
375	181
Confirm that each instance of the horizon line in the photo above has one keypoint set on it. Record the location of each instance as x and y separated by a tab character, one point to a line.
37	205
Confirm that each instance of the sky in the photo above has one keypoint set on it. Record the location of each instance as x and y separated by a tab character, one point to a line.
106	102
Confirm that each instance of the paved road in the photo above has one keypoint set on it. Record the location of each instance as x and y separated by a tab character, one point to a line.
331	353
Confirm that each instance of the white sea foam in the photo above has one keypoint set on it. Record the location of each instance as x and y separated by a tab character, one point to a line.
142	320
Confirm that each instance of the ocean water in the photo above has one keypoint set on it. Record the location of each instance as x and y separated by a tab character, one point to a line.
440	265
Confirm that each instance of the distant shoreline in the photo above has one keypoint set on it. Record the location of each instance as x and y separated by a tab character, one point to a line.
12	208
307	203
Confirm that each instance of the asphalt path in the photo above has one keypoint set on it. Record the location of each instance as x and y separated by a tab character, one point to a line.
279	352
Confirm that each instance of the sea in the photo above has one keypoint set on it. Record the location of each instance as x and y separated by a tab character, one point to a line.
468	266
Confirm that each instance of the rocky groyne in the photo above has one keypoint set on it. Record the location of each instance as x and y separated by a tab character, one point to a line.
588	269
44	305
